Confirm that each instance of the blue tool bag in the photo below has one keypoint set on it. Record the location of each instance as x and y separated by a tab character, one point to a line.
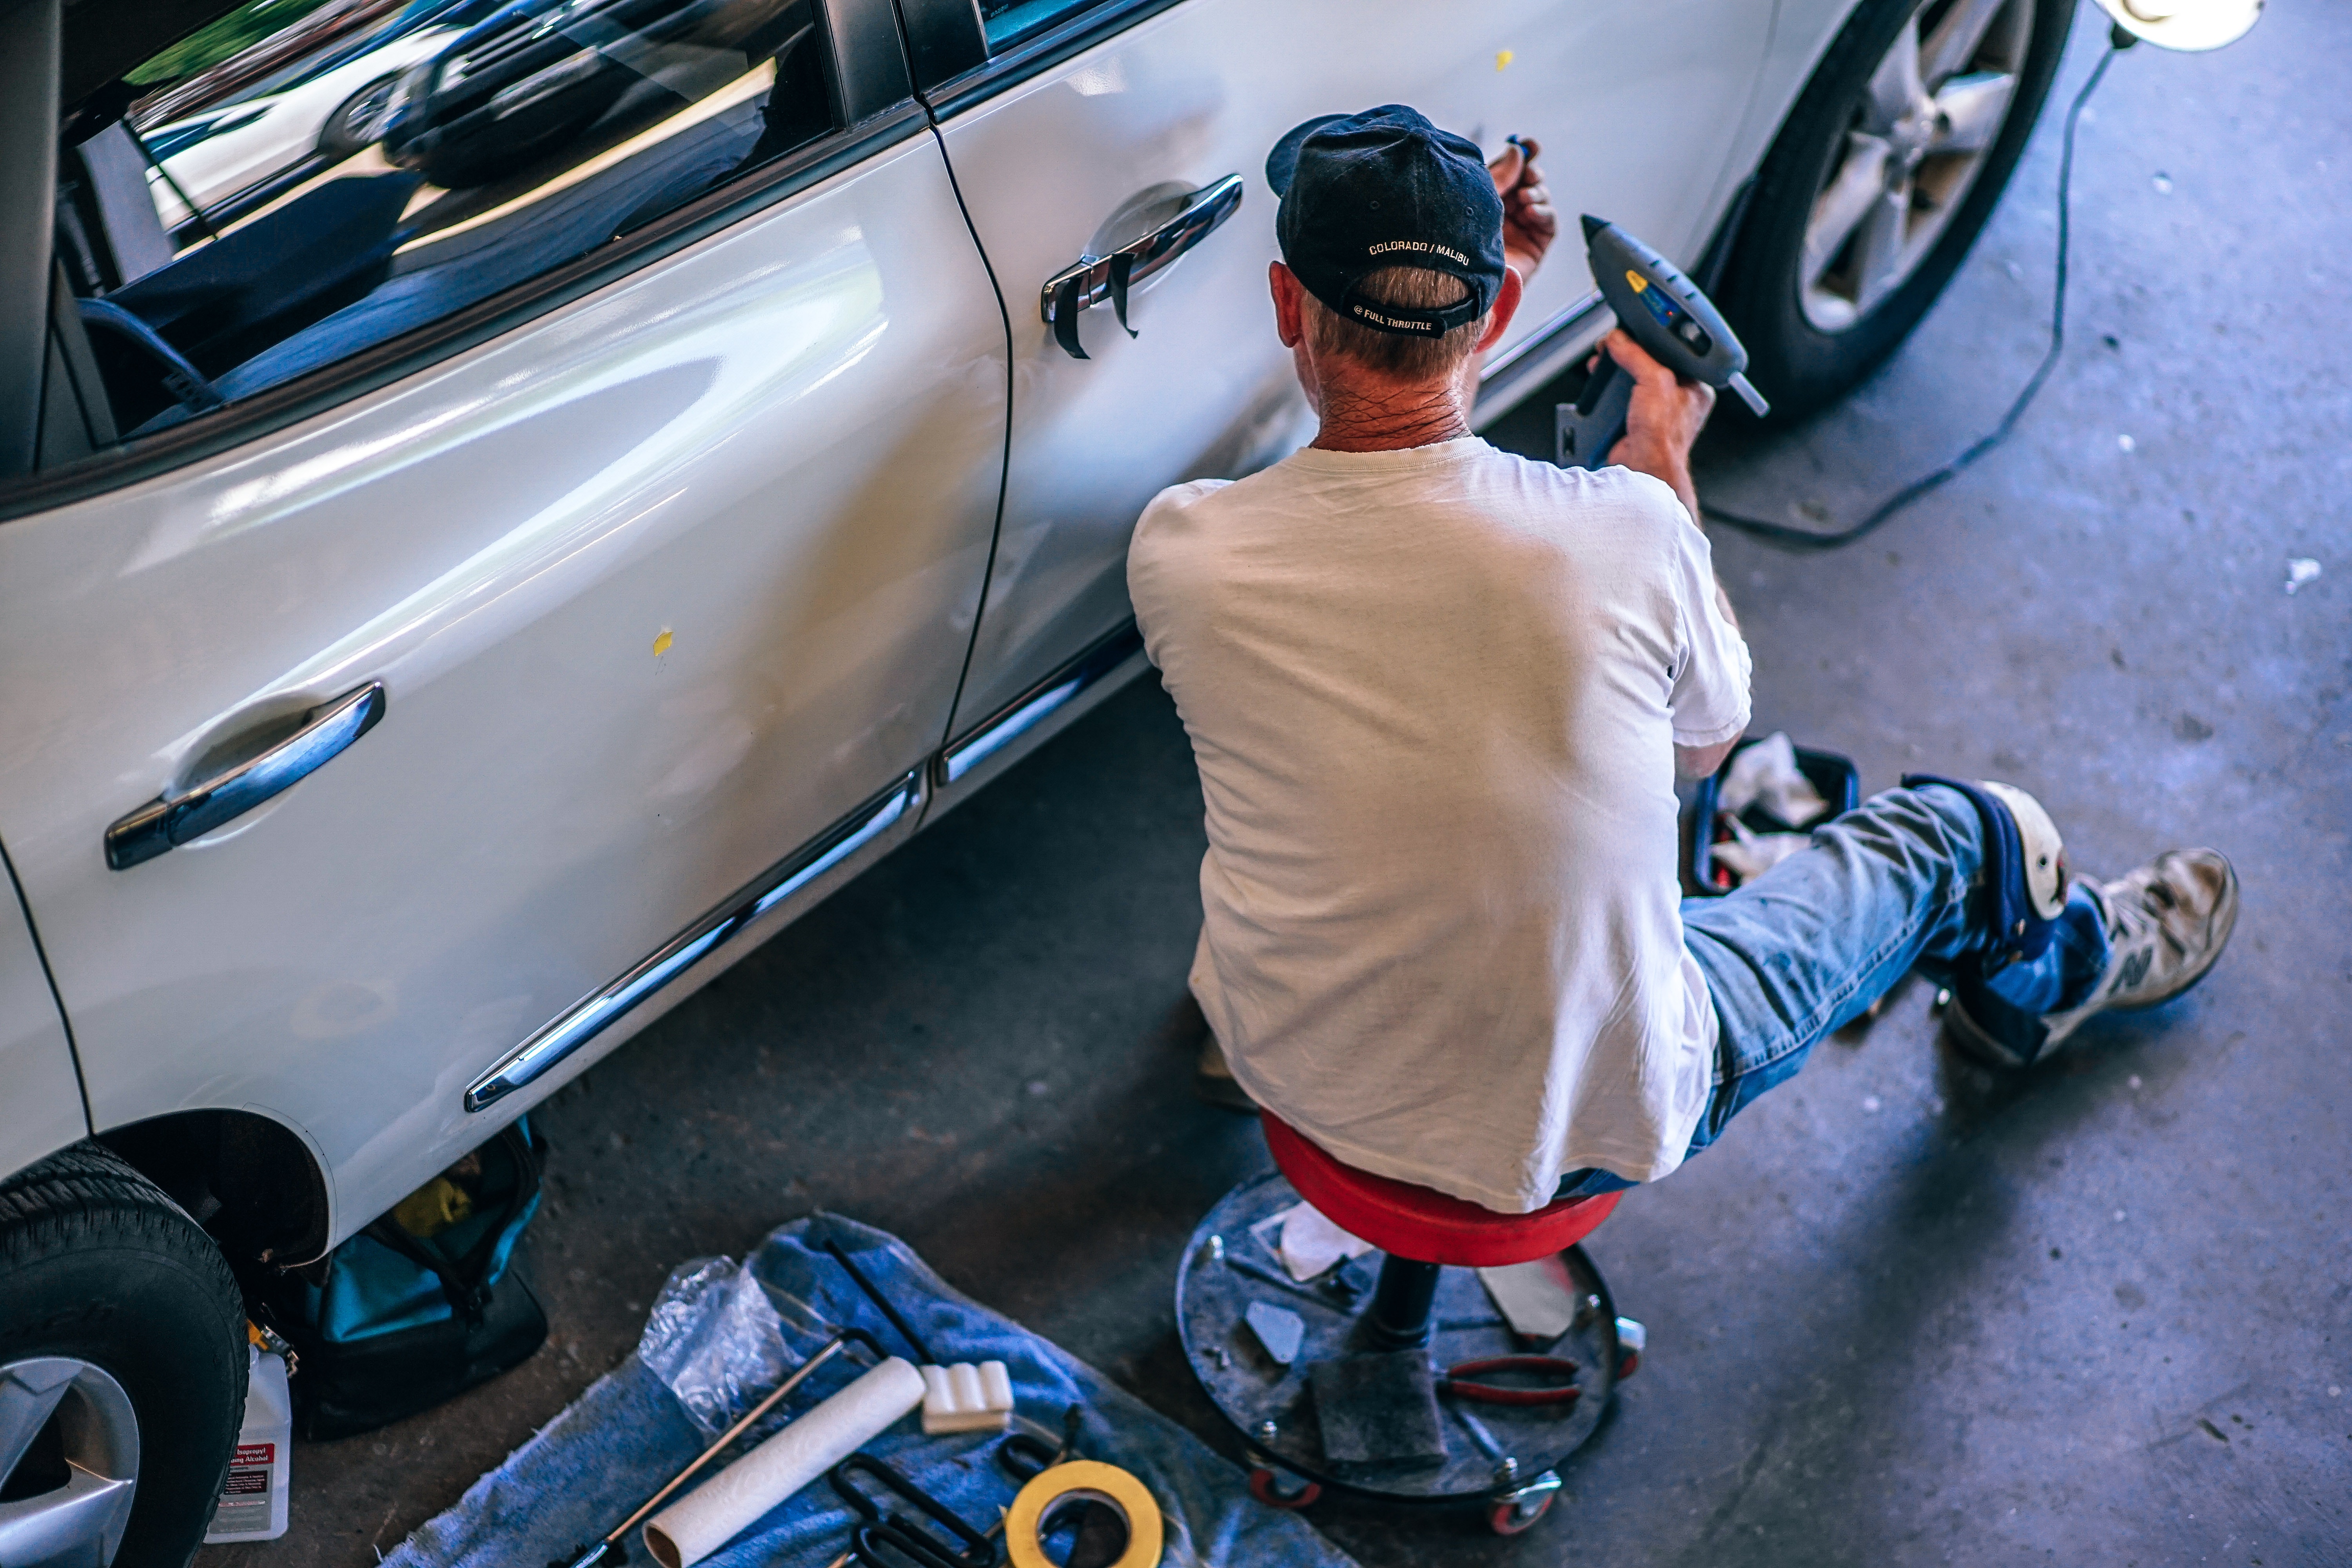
421	1305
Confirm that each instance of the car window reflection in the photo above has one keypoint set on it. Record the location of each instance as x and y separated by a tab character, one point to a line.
296	182
1010	21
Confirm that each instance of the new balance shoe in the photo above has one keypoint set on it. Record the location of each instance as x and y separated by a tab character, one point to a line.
2167	922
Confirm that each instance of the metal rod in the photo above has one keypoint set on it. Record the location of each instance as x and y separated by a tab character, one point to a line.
905	1332
1240	1265
833	1347
1478	1433
1401	1301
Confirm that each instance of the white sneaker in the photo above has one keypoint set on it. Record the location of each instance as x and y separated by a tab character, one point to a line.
2167	922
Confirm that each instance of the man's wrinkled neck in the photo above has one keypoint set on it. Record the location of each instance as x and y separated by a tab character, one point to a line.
1363	412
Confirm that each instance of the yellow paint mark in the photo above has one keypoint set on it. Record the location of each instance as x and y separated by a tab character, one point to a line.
662	642
1502	59
1636	279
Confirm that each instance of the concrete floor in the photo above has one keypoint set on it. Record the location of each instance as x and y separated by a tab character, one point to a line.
1903	1313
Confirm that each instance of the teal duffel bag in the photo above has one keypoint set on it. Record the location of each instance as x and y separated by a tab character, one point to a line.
421	1305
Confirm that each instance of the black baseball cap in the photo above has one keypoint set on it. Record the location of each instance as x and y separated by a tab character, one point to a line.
1386	188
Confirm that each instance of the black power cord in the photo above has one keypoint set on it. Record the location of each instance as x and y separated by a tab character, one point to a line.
1809	538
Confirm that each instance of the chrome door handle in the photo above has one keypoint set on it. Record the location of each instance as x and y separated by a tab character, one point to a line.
1091	280
170	820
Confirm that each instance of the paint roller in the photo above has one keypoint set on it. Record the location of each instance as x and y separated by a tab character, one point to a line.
707	1518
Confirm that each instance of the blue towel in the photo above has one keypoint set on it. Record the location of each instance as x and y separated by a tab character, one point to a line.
630	1431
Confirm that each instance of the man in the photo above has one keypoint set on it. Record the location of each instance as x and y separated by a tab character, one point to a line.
1438	694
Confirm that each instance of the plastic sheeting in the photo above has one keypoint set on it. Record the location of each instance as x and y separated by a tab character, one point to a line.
715	1340
721	1335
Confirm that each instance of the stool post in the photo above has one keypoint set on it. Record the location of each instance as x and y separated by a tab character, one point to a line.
1399	1318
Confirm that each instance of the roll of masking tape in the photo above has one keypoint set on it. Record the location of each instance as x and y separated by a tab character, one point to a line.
1081	1480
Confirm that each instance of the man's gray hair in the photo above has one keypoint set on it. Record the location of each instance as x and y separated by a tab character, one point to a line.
1407	358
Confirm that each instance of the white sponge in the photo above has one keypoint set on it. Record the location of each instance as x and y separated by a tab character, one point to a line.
967	1398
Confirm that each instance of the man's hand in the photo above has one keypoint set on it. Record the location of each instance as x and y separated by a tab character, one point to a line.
1664	419
1662	422
1529	223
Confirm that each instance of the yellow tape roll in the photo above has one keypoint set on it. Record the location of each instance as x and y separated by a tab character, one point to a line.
1087	1480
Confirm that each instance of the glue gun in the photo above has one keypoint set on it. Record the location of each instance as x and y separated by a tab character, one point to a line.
1665	314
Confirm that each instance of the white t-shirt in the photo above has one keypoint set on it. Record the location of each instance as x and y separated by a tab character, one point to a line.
1434	695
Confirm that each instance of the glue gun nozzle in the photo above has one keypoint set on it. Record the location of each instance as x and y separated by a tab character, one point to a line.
1749	396
1593	227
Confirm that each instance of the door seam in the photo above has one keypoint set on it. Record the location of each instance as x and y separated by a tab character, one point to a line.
56	998
1004	455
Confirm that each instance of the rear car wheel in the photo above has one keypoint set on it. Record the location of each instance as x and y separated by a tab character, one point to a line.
1885	173
356	119
123	1368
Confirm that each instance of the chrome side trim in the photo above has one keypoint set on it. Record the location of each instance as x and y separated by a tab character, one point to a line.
599	1010
1025	711
1536	358
1541	338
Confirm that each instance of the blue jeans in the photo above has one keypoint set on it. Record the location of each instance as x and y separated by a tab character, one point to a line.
1804	949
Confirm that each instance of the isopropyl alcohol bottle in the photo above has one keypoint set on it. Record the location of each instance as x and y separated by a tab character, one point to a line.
253	1500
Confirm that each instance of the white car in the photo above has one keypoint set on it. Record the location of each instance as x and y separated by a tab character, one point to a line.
234	146
441	628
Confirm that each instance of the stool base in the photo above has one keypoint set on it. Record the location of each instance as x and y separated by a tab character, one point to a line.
1493	1452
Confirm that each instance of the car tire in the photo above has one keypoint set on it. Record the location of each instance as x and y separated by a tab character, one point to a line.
121	1311
1804	350
355	121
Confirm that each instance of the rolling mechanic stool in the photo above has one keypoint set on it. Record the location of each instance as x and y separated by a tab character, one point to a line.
1499	1454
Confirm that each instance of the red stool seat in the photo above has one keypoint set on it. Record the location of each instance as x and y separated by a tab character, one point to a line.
1419	1222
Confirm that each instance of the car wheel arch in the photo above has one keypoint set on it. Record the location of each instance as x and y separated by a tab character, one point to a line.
254	1181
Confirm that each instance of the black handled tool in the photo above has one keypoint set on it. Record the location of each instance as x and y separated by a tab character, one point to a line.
880	1530
1668	315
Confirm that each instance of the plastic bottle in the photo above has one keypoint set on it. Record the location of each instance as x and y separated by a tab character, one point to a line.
253	1500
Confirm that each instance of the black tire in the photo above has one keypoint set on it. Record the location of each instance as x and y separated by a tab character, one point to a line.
1798	365
355	121
96	1264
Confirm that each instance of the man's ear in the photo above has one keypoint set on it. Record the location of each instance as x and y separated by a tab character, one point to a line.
1289	311
1506	305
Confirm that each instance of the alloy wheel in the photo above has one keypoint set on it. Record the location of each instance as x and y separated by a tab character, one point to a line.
1917	138
356	120
68	1463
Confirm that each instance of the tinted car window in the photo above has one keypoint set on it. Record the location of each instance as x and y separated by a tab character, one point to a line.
299	181
1010	21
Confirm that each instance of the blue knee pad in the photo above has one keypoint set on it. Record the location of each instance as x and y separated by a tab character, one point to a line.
2022	888
2021	897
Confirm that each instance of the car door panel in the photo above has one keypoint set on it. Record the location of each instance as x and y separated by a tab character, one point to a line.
42	1110
658	587
1635	106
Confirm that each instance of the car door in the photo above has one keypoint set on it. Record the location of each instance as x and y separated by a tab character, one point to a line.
605	639
1087	128
41	1111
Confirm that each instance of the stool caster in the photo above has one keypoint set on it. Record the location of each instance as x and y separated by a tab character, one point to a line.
1517	1510
1275	1489
1632	1339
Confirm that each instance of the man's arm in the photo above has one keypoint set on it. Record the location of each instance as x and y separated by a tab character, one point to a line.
1661	424
1699	762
